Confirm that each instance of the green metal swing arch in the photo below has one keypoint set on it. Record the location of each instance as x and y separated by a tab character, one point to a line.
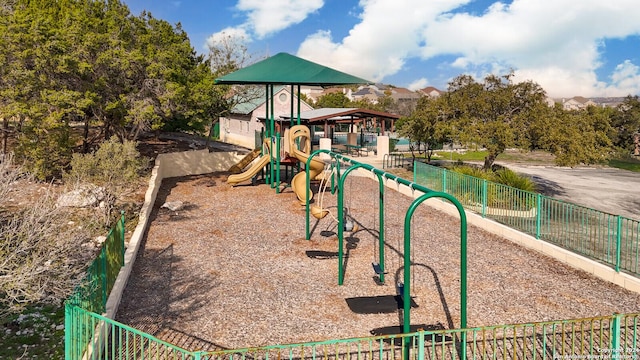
427	194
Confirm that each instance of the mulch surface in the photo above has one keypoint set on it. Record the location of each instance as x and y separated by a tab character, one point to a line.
233	269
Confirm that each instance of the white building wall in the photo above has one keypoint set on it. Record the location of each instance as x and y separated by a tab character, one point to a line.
240	129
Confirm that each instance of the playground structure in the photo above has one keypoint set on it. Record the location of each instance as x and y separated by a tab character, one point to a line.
246	160
298	145
403	288
488	342
299	141
480	340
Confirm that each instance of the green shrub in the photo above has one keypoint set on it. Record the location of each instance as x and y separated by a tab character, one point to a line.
392	144
510	178
115	166
501	176
471	171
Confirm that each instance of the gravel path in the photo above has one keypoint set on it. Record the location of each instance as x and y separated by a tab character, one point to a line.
232	269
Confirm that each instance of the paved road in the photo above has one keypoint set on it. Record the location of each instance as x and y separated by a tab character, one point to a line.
607	189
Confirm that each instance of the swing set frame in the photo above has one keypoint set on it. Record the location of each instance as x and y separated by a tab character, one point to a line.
426	194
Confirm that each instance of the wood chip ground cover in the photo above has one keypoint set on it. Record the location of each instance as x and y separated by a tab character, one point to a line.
233	269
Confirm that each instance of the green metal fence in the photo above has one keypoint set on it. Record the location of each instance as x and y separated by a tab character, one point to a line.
588	338
610	239
92	295
605	237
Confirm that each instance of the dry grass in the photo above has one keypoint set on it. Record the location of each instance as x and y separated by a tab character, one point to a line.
232	270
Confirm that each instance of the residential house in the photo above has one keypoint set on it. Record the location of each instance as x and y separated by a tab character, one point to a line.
370	93
314	93
577	103
243	126
400	94
431	92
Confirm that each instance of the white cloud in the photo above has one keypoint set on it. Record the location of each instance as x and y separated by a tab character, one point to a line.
238	33
378	46
556	44
625	80
268	17
418	84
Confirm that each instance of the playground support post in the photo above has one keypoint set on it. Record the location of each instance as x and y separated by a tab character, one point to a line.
341	178
381	241
407	264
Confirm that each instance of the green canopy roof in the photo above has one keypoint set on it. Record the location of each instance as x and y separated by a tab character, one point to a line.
286	69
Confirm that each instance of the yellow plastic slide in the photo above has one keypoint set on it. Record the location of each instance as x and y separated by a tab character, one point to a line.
316	167
255	167
251	172
237	168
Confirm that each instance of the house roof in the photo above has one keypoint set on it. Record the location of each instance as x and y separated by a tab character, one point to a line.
581	99
286	69
402	90
430	89
368	91
247	107
341	114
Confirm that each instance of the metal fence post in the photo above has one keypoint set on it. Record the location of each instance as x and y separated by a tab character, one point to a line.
68	328
616	351
103	277
421	345
122	239
618	241
538	215
444	181
415	171
484	198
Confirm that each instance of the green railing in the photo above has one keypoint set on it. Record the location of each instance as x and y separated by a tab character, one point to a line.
89	335
92	295
610	239
588	338
98	337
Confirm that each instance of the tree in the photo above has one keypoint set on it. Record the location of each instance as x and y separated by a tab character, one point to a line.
491	114
49	55
333	100
91	62
498	114
227	54
626	124
576	137
425	126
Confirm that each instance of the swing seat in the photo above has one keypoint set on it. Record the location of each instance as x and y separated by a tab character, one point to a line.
318	212
400	289
377	269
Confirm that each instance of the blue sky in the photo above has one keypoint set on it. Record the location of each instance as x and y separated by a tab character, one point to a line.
570	47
